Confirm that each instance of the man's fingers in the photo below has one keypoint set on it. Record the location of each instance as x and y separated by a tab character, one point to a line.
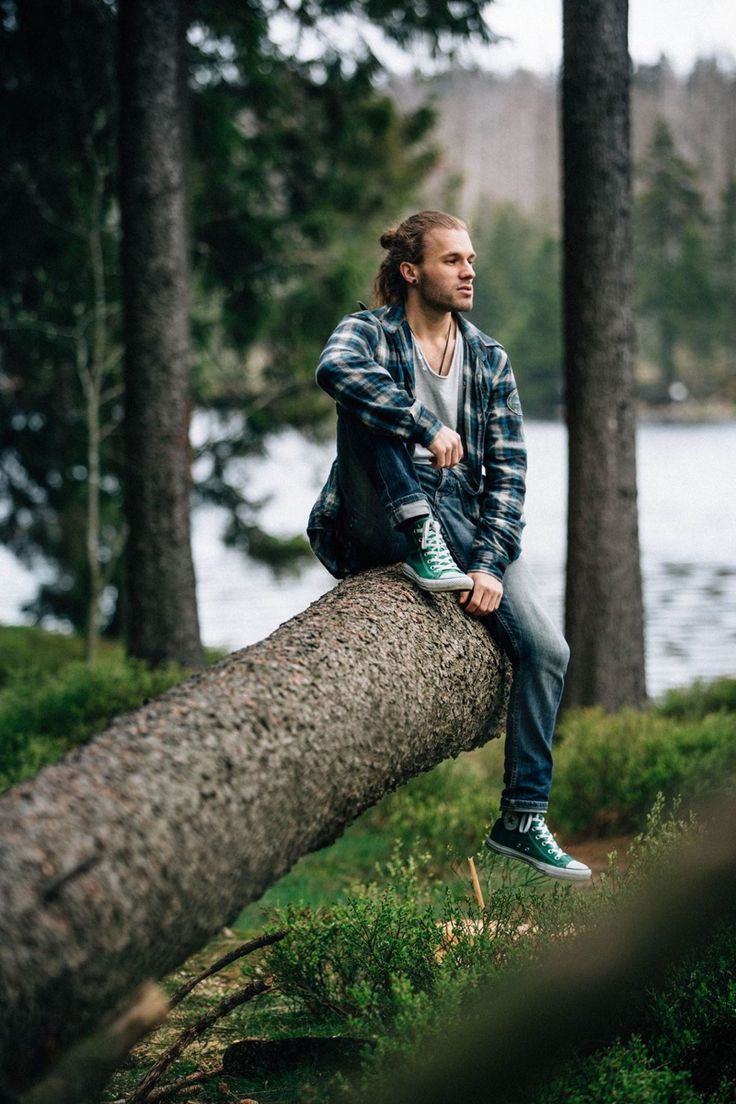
473	605
480	602
446	448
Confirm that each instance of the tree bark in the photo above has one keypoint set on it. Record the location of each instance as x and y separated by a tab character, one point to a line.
604	611
161	605
123	859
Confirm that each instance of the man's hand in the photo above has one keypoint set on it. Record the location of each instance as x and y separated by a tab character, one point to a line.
486	595
446	448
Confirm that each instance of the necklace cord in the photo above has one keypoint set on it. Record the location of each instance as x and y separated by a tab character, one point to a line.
444	351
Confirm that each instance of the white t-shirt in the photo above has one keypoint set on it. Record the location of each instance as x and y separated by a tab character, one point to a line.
443	395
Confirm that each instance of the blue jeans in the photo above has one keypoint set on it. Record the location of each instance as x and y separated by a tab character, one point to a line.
381	487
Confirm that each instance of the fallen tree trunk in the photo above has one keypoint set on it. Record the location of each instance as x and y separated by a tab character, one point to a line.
123	859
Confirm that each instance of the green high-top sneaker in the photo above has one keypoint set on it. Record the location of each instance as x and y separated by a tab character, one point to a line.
525	836
429	563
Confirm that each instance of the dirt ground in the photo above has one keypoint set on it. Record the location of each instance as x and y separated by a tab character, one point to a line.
594	852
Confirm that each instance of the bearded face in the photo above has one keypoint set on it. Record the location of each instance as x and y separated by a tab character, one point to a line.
444	279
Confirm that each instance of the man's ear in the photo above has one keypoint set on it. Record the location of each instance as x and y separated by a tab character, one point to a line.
408	271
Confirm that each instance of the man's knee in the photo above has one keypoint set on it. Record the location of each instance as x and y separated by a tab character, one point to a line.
562	653
547	649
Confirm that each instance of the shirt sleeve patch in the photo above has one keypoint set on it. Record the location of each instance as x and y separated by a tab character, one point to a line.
513	402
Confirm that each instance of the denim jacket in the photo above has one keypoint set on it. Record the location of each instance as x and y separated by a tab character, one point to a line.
367	367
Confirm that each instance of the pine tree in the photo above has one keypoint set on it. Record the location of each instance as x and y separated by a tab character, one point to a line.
675	294
604	609
161	609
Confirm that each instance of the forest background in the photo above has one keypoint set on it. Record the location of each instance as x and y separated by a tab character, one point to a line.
294	173
321	157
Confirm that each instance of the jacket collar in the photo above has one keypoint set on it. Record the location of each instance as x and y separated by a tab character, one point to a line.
393	317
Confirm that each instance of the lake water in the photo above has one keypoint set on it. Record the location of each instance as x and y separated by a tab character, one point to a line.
687	528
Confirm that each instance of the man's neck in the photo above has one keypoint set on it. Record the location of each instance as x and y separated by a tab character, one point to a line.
427	324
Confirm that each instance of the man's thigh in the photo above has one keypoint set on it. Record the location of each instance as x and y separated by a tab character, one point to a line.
523	623
367	535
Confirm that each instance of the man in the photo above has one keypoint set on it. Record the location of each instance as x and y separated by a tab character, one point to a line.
430	470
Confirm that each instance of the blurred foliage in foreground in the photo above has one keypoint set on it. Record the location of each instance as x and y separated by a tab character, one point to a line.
394	968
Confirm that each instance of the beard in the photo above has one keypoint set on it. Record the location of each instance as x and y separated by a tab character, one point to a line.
440	299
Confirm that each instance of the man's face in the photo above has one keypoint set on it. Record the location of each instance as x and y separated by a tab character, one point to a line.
445	276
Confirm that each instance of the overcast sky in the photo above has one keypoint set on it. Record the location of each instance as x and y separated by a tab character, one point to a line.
682	29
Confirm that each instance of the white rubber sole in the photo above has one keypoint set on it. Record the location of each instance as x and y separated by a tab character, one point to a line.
460	582
564	873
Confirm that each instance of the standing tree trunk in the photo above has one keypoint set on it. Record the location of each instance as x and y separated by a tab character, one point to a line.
123	859
604	610
161	604
93	378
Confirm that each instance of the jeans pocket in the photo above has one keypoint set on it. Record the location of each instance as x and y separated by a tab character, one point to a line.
469	499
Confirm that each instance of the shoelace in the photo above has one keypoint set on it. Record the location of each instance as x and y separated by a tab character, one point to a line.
541	832
435	547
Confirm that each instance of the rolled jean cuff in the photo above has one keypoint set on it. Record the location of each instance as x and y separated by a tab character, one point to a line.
412	508
524	807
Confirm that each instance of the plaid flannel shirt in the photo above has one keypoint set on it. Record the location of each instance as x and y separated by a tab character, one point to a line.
367	367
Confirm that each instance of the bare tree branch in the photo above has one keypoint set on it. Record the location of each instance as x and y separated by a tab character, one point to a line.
163	1092
232	956
187	1037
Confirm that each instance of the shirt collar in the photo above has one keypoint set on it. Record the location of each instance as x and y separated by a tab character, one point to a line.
393	317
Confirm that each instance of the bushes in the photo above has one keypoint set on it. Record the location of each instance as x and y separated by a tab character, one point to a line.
53	701
625	1072
29	653
359	959
608	771
609	768
718	696
685	1052
391	946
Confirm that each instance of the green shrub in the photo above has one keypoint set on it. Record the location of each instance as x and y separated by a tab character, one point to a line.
684	1050
27	652
445	812
624	1071
40	720
692	1023
358	959
609	768
699	699
396	953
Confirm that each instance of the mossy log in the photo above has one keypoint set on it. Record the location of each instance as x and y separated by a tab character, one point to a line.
123	859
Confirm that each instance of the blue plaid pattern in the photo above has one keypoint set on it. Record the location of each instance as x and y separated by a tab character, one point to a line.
367	367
